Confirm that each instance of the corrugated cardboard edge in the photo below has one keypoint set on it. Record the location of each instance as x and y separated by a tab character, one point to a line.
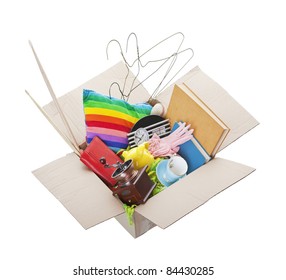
193	191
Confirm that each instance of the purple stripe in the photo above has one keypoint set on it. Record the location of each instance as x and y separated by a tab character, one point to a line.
106	137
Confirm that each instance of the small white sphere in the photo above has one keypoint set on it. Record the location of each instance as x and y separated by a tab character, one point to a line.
158	110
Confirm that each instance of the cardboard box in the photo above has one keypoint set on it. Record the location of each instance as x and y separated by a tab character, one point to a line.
86	197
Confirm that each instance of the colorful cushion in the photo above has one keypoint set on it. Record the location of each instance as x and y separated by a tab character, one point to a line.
110	118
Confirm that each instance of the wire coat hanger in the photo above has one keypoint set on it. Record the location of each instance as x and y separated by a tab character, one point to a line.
172	59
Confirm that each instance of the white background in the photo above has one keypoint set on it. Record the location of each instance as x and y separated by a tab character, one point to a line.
240	44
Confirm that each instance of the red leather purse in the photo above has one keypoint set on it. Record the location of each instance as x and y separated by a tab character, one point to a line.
91	158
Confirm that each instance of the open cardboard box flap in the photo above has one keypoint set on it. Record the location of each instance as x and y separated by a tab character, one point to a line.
82	193
218	100
192	191
87	198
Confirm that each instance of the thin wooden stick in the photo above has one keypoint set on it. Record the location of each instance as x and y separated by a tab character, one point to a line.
72	139
75	149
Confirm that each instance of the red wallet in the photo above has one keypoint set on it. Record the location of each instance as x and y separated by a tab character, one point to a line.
91	158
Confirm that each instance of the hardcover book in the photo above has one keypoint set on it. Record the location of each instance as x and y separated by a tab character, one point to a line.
186	106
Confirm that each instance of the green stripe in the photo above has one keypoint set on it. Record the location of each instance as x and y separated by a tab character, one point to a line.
93	99
134	112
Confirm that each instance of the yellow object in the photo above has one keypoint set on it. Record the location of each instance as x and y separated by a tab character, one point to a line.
140	156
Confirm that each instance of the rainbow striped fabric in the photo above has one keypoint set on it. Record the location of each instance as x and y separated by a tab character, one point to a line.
110	118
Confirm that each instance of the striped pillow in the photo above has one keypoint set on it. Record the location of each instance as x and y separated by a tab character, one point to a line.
110	118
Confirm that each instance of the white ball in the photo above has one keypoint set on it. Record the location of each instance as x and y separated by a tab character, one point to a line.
158	110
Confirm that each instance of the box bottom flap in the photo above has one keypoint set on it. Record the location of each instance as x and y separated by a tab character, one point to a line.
192	191
81	192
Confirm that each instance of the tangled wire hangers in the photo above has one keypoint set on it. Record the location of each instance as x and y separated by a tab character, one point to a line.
164	61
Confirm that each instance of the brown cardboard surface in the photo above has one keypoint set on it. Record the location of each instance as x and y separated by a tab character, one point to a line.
80	191
218	100
192	191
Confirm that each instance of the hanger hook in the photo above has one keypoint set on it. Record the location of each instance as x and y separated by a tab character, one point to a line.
172	59
120	47
137	44
137	59
118	86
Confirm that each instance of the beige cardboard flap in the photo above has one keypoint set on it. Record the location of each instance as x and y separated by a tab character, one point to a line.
80	191
218	100
72	106
192	191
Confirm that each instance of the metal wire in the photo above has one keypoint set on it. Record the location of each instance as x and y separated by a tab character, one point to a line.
172	59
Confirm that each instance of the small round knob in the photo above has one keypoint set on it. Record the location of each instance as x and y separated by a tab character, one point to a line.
102	160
